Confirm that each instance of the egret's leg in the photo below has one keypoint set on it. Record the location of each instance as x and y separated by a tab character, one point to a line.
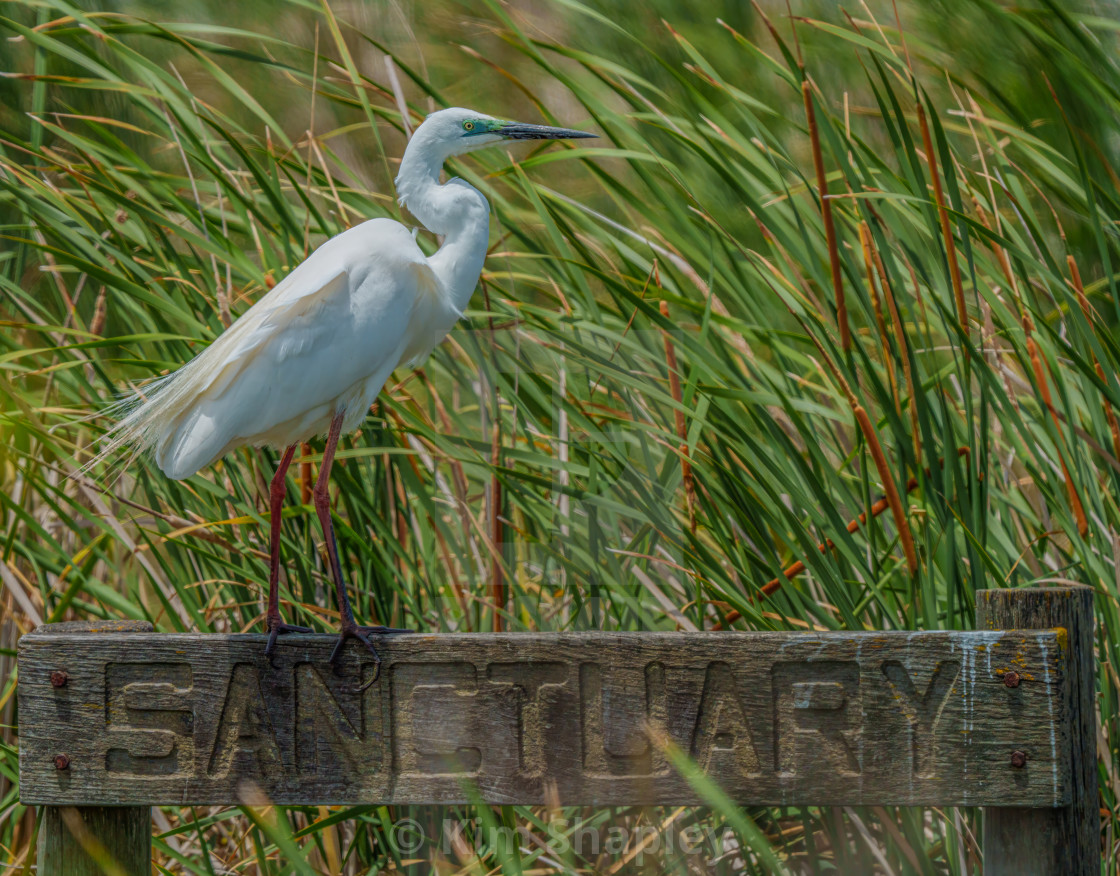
277	489
349	628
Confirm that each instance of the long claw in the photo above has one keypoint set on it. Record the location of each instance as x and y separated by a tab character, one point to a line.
337	652
353	631
377	664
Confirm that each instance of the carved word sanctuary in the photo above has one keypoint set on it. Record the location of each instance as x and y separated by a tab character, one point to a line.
531	720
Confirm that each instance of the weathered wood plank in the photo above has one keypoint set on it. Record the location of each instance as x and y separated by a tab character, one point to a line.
836	718
1051	842
94	840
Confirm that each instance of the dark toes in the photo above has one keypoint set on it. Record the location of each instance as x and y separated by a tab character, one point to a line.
274	632
358	633
337	652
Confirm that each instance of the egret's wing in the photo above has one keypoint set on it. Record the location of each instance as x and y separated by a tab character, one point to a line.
313	344
206	405
291	318
377	276
336	320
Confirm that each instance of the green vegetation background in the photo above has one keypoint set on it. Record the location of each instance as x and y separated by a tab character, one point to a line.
653	408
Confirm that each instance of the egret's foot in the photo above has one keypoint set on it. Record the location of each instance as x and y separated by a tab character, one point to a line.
277	628
352	631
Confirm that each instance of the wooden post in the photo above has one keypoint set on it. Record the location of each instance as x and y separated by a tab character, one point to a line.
1062	841
92	840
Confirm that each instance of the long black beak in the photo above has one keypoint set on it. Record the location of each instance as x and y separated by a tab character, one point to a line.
518	131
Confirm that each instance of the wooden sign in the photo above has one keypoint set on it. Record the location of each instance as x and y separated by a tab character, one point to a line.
576	718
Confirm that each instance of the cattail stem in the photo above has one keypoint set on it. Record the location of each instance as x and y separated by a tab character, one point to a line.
877	455
889	487
900	338
880	323
946	230
774	584
497	572
1044	388
498	592
682	428
826	216
1109	414
305	479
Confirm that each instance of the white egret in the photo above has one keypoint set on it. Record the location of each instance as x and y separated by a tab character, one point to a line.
312	354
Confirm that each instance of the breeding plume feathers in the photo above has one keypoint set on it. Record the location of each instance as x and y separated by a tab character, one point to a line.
324	340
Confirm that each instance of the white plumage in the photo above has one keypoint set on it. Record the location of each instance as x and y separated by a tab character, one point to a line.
311	355
323	340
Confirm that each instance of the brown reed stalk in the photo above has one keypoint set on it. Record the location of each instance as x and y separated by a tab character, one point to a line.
900	338
774	584
498	590
682	428
826	216
946	230
393	514
1000	252
1044	387
877	455
497	574
448	563
1110	415
792	571
402	521
1036	358
305	480
888	484
880	324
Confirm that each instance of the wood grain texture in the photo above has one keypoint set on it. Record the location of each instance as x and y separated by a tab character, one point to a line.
95	840
835	718
1064	841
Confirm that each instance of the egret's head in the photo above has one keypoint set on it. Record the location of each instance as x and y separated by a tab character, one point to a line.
452	132
462	130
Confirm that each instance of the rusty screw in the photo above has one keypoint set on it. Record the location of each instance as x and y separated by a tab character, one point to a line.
1011	678
59	678
1018	759
61	762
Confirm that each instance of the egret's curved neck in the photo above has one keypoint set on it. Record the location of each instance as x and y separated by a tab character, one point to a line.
457	211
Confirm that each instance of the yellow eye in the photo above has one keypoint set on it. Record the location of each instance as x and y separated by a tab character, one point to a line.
468	126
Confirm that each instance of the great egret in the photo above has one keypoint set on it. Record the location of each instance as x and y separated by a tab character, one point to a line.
313	353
